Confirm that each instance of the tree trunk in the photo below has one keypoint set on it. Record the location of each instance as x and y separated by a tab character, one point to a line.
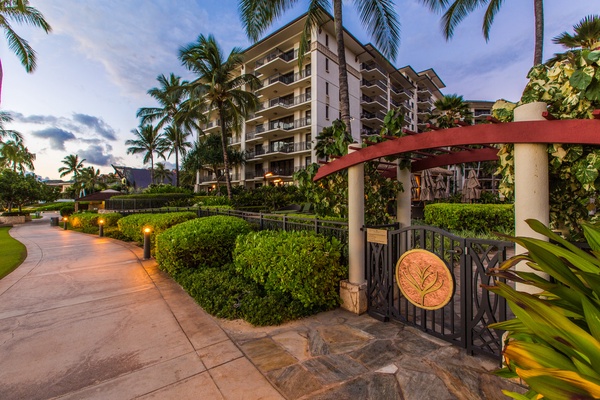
177	167
538	6
151	169
225	156
343	68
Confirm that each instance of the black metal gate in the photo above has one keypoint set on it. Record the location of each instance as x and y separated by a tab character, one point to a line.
463	321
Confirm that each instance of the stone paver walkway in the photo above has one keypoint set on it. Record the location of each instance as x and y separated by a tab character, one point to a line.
85	318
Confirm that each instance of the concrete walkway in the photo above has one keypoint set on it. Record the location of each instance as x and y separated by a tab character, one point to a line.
85	318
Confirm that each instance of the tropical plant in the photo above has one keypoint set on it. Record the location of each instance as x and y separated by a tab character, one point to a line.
89	179
378	16
553	344
333	141
220	87
175	142
72	165
5	118
587	36
169	95
147	141
17	190
21	12
450	109
161	173
457	11
14	155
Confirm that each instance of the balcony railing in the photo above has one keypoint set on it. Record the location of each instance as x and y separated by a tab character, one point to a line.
481	113
377	82
287	57
286	79
282	147
286	126
368	132
399	91
378	99
368	115
260	173
286	102
220	177
371	66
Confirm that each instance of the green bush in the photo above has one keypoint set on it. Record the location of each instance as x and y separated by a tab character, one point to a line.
66	211
162	188
225	294
132	225
150	200
483	218
302	264
49	206
268	197
204	201
88	222
204	241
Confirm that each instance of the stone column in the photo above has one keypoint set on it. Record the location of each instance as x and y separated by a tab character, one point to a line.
531	183
353	291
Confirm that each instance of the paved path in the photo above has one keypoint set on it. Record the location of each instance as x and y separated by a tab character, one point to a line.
84	317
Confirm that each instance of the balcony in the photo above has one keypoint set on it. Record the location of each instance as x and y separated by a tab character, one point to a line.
368	132
374	70
373	104
400	94
279	105
212	178
212	126
372	116
374	87
283	82
275	172
234	140
425	104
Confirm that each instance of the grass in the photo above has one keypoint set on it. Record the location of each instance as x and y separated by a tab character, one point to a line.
12	253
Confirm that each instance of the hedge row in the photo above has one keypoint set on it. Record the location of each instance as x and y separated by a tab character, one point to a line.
483	218
88	221
204	201
132	226
143	196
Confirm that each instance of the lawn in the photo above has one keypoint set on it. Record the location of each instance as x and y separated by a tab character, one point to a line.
12	253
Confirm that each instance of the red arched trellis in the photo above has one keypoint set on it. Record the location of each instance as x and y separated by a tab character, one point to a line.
576	131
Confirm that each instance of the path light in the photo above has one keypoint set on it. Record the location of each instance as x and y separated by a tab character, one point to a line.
101	228
147	231
65	219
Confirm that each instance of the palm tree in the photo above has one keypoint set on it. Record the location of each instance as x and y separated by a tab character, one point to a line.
88	179
21	12
148	141
72	165
220	87
169	95
161	173
378	16
5	118
14	155
454	13
449	109
175	141
587	36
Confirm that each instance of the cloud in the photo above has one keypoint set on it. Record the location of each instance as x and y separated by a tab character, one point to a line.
56	136
33	119
96	155
96	124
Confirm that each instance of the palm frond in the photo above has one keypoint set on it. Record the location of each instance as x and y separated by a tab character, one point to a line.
380	18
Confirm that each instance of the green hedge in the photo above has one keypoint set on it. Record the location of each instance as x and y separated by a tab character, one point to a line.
205	241
301	264
474	217
151	200
89	221
132	225
204	201
142	196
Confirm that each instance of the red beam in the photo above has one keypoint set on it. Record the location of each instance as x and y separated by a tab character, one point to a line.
474	155
575	131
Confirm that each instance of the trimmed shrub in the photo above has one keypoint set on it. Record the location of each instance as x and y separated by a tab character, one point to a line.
302	264
66	211
202	242
151	200
88	222
473	217
205	201
132	225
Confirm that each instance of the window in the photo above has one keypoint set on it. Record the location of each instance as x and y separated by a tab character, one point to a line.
326	64
307	161
326	40
327	113
327	88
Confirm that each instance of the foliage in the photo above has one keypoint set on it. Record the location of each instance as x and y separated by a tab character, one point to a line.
16	190
147	141
49	207
67	210
571	88
12	252
201	242
553	344
268	198
302	264
16	156
162	188
475	217
88	222
333	141
224	293
72	165
449	109
205	201
132	226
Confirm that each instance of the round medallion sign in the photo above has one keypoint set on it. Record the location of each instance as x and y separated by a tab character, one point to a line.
424	279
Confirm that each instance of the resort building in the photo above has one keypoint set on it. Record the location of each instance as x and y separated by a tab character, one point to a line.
297	103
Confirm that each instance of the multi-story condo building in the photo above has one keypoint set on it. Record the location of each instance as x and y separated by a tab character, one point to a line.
481	109
297	103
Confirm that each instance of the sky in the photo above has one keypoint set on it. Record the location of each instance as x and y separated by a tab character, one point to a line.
95	68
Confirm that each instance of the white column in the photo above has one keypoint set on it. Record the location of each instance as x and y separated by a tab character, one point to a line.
404	199
356	220
531	183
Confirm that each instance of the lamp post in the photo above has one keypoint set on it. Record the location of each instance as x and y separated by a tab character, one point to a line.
65	219
147	231
100	228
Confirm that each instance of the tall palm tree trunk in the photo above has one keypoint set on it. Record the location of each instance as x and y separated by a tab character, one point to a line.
177	167
538	6
225	155
343	67
151	169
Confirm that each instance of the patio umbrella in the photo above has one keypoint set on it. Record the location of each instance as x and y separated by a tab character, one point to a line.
471	188
440	188
427	186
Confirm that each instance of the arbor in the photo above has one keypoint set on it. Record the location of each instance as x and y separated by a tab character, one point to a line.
219	87
449	109
148	141
14	155
21	12
378	16
72	165
457	11
175	141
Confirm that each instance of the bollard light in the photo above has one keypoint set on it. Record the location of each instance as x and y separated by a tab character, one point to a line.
147	231
101	228
65	219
